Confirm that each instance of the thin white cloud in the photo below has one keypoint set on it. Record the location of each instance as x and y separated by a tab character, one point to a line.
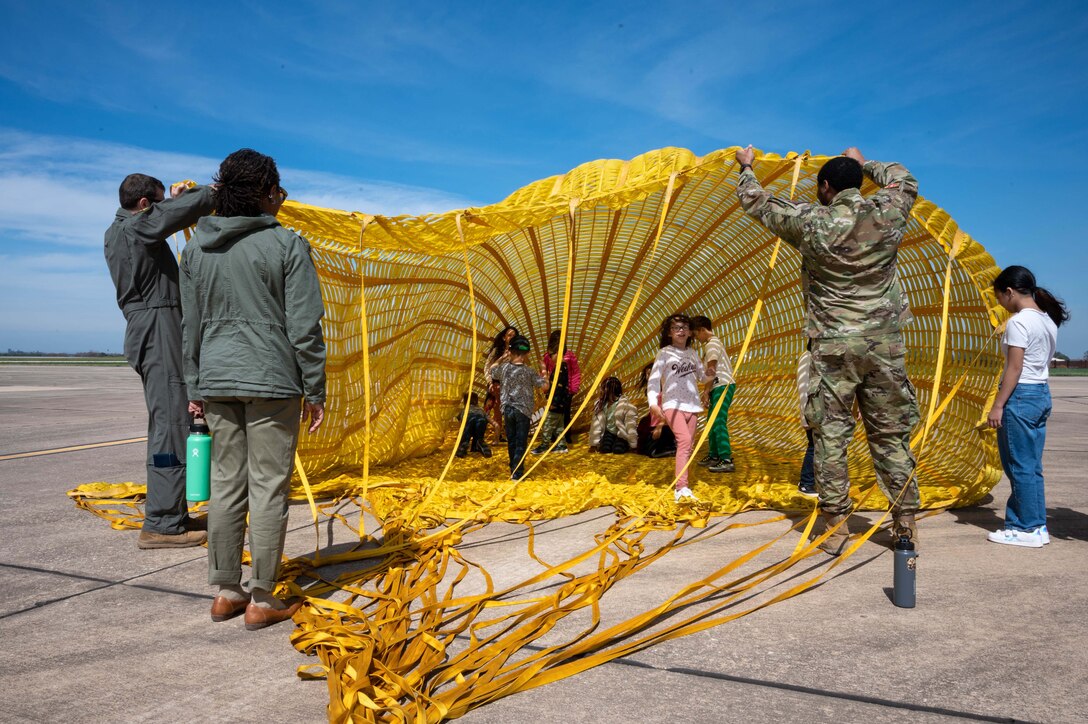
58	195
64	191
37	208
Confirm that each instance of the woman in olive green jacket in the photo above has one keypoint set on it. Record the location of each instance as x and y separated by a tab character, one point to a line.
254	356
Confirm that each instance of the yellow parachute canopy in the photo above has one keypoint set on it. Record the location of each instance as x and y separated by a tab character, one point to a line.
606	251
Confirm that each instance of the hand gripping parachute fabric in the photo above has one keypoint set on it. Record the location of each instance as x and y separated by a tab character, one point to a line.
602	253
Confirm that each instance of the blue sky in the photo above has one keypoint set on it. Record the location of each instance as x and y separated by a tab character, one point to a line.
420	107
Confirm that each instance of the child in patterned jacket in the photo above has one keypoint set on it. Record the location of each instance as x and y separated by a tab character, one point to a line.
615	420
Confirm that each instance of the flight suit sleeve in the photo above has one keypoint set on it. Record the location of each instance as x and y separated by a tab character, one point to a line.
305	308
782	217
172	215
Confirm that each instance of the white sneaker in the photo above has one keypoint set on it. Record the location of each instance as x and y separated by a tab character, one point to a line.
1044	534
1012	537
685	494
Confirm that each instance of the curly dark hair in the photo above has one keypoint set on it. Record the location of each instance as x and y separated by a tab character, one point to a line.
244	178
666	332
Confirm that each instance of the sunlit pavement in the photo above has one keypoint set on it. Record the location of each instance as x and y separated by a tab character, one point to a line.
93	629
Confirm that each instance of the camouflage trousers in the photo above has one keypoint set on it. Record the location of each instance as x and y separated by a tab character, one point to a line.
872	371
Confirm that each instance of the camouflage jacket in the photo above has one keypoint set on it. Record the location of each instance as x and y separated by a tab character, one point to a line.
848	250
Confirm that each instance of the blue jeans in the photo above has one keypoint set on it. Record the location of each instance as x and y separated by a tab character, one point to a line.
517	439
1020	441
475	429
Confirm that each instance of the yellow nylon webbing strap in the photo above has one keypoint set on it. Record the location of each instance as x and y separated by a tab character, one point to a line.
753	322
367	405
310	499
433	489
568	287
942	342
666	202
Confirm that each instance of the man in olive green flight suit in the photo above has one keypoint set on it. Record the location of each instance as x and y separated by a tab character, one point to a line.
855	309
145	274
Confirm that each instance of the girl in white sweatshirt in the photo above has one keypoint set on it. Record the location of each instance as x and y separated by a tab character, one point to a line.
672	392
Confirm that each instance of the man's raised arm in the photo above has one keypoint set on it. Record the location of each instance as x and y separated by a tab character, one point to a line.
174	214
783	217
894	179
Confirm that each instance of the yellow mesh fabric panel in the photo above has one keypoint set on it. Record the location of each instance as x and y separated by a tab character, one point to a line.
415	630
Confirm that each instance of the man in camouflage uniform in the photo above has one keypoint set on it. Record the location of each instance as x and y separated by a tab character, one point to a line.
855	309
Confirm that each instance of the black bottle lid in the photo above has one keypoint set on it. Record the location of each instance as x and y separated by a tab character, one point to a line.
904	543
199	427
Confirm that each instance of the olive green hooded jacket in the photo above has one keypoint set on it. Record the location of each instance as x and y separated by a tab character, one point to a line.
252	310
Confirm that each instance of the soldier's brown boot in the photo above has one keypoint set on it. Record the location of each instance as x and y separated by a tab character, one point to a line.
904	523
835	543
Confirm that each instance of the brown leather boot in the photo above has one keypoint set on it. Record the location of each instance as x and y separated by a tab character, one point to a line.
190	538
835	543
904	523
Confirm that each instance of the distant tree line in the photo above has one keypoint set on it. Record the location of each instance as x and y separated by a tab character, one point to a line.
21	353
1064	360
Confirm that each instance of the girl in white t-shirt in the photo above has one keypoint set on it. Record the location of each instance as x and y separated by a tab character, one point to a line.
1022	404
672	392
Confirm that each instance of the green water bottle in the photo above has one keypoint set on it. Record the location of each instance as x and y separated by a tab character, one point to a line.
198	461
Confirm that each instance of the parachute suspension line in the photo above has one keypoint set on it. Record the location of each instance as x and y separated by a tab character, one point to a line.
572	208
572	230
308	490
313	505
753	322
935	410
666	205
422	506
953	251
364	330
798	161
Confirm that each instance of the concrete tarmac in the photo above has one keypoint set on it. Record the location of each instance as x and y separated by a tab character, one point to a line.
94	630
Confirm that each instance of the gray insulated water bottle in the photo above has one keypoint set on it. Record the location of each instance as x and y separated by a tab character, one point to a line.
906	563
